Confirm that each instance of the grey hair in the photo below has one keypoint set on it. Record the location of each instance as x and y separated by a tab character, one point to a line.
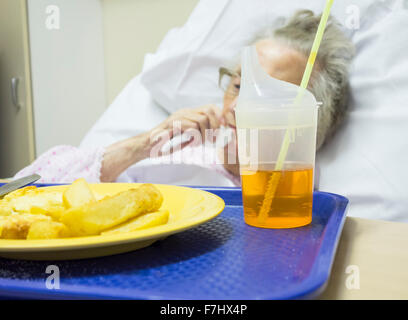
329	81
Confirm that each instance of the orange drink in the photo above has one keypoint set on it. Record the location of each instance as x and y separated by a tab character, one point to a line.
292	201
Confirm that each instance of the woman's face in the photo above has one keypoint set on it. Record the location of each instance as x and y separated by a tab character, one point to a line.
278	60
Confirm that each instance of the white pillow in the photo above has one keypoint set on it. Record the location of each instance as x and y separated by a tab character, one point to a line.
366	160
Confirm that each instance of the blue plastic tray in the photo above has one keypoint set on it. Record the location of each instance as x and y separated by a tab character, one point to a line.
222	259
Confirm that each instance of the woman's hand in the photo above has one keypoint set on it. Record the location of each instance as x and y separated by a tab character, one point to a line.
199	123
208	117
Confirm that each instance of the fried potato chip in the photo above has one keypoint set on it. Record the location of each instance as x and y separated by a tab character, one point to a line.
93	218
16	226
78	194
147	220
47	229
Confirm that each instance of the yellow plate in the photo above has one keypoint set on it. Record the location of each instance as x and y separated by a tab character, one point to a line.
188	208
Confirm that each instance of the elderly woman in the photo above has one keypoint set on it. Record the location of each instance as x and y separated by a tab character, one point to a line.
283	56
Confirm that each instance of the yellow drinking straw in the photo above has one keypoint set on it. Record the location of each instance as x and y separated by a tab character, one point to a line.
274	180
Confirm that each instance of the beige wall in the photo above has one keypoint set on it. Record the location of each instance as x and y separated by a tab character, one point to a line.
131	29
67	69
